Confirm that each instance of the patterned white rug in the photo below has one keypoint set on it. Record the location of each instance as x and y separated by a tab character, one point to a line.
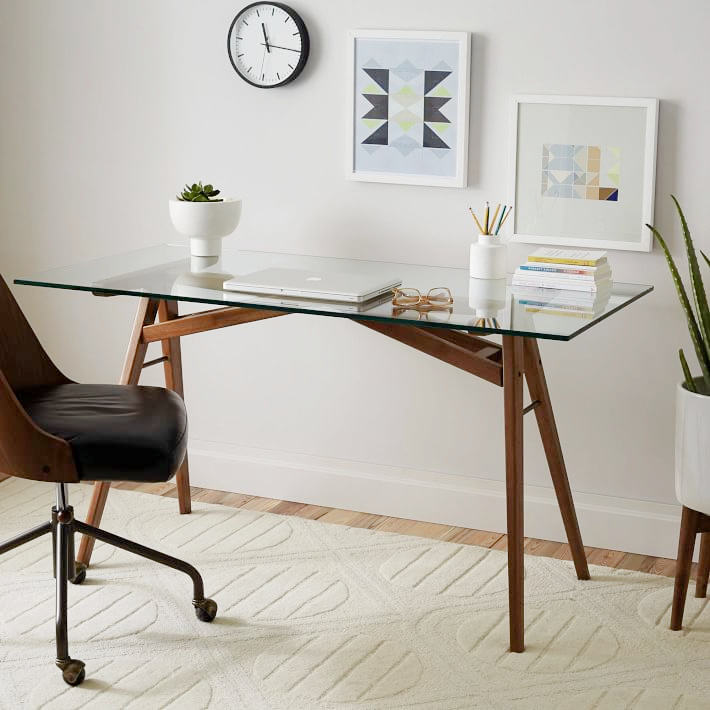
318	616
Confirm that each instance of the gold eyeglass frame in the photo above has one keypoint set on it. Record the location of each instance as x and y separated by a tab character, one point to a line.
422	302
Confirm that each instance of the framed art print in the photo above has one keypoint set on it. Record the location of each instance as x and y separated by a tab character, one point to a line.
408	107
583	171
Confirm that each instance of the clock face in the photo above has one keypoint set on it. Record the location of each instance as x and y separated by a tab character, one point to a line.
268	44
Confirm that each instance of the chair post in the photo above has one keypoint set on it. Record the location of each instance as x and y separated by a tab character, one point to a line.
72	669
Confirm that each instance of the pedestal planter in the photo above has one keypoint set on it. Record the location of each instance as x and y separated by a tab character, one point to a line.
692	446
205	223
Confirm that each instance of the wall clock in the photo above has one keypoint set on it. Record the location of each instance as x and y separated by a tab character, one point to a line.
268	44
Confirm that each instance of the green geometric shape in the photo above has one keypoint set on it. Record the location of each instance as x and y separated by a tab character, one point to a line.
373	89
371	123
439	127
441	91
614	177
406	119
616	152
406	96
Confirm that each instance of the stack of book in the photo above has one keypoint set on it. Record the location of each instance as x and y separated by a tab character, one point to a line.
565	269
575	304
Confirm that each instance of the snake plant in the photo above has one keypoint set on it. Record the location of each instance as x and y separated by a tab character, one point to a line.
697	313
197	193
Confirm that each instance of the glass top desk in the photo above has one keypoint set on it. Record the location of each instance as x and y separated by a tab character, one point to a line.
165	275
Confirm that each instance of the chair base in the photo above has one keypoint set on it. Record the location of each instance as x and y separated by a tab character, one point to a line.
692	523
63	528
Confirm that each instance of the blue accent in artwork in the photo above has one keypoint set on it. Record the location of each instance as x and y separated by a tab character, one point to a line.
565	191
562	150
558	163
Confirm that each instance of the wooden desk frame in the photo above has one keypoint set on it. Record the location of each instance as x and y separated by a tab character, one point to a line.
506	366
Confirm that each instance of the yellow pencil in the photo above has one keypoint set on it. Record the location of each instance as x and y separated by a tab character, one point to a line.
495	214
476	220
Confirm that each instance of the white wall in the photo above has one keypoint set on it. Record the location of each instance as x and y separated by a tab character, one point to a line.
108	107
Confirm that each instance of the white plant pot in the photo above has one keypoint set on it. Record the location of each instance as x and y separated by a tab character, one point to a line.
692	448
205	223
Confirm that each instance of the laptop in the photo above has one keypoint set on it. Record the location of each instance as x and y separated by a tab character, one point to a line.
323	286
310	304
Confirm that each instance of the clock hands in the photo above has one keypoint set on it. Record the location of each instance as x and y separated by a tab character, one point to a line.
266	39
263	59
276	46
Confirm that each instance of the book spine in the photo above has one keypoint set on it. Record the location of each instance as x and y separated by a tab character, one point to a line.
560	285
555	305
555	276
591	272
555	312
571	262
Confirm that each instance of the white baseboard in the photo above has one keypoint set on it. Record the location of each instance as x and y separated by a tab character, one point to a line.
612	523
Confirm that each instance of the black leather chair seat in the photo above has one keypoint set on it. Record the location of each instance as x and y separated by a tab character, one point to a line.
116	432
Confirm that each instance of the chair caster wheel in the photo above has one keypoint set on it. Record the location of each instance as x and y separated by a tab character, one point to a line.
73	671
80	575
206	610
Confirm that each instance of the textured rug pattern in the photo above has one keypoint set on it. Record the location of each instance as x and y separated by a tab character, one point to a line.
316	616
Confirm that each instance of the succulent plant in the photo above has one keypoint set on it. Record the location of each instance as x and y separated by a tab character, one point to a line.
697	313
198	193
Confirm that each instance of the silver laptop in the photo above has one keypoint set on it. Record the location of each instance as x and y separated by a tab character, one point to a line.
324	286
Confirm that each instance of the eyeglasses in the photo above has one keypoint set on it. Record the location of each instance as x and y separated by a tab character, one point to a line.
433	315
439	297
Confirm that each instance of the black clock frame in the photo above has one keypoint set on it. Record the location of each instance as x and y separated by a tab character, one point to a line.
305	43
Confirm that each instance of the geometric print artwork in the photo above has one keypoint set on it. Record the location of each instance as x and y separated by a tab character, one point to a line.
577	171
407	107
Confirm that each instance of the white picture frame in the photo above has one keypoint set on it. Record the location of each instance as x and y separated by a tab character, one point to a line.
583	170
399	83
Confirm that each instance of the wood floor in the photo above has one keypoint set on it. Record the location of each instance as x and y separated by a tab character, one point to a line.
497	541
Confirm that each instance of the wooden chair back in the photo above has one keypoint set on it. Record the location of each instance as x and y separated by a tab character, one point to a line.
26	450
23	360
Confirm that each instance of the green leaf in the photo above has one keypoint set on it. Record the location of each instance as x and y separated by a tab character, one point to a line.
689	382
701	300
695	334
208	188
707	261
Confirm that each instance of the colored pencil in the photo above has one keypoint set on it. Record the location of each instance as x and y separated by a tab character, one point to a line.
502	215
478	224
506	217
493	219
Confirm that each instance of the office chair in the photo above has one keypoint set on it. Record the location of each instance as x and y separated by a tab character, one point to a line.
56	430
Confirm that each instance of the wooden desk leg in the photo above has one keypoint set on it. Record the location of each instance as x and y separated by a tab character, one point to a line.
135	357
535	376
513	368
168	310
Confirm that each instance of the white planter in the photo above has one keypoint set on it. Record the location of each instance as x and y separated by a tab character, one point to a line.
205	223
692	448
